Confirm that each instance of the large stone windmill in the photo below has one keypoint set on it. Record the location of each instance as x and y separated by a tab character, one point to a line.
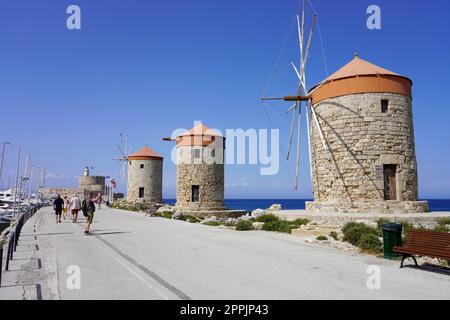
361	138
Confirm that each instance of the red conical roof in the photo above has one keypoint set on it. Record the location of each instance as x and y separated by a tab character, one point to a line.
200	130
359	67
145	154
200	135
360	76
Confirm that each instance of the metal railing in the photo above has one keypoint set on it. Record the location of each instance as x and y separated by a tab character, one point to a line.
13	238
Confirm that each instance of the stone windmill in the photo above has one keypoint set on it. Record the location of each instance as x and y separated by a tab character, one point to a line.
145	177
361	139
200	170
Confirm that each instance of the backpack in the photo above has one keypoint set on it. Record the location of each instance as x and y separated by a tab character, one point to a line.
84	208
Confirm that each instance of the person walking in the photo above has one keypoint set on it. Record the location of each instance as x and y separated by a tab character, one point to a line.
66	207
75	206
58	206
99	201
88	211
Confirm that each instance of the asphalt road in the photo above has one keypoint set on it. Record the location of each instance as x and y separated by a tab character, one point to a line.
130	256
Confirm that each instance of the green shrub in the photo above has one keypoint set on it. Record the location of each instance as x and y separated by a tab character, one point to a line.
164	214
213	223
273	223
244	225
334	235
407	227
279	226
321	238
441	228
443	221
267	218
190	219
300	222
354	231
382	221
371	243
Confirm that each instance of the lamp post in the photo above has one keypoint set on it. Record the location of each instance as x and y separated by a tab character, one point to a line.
1	162
31	181
17	178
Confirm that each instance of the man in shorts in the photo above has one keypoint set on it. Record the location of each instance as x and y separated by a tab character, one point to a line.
88	210
58	206
75	206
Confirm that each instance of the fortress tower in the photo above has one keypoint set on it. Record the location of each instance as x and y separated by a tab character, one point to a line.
200	170
94	184
145	170
368	163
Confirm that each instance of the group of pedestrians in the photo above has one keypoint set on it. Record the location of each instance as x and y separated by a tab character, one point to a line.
75	205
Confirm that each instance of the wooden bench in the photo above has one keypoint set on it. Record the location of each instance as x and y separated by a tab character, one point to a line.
425	243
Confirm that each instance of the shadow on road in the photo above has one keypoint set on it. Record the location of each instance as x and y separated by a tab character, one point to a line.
46	234
96	233
431	268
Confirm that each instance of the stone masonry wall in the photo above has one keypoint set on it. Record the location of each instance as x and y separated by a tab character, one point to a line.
50	193
209	176
95	184
149	178
362	139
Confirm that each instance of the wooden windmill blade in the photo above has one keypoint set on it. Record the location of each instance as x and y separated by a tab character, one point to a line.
297	173
302	95
124	151
291	133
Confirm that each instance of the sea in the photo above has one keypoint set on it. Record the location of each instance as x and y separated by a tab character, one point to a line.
299	204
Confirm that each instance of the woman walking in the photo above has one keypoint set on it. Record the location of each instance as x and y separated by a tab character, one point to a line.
66	207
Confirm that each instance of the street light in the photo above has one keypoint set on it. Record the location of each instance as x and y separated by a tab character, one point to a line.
1	162
17	177
31	180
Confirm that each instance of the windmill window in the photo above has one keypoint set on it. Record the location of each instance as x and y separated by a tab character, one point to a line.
141	193
195	193
384	106
197	153
213	153
142	166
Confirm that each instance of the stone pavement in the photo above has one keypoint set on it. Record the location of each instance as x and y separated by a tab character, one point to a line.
130	256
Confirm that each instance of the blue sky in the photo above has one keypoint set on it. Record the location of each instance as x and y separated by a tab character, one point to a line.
145	68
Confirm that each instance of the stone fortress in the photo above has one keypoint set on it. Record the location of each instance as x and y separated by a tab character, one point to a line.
87	184
368	163
94	184
145	177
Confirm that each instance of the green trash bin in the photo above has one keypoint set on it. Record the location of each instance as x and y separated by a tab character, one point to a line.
392	236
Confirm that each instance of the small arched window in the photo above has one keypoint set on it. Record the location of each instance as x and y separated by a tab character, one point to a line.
384	106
